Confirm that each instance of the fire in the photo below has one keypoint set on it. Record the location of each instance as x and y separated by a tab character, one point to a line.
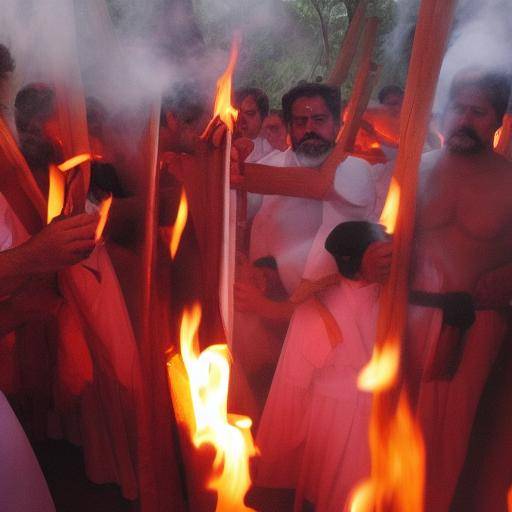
398	465
103	211
73	162
56	192
390	211
382	370
509	499
208	380
374	145
222	108
179	224
497	136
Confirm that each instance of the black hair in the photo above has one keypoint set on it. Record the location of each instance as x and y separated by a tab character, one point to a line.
331	96
6	61
31	100
495	85
266	262
389	90
185	101
259	97
347	243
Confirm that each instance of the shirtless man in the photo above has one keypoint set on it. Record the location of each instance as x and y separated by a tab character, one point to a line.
463	244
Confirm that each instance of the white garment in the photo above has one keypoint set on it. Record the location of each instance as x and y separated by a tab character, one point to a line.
352	198
285	227
22	484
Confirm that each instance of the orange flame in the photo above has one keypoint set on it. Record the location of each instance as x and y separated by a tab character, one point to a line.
381	372
56	192
398	462
179	224
509	499
74	161
497	136
389	214
222	107
103	211
208	377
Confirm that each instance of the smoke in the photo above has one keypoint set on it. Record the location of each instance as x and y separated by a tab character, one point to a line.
481	37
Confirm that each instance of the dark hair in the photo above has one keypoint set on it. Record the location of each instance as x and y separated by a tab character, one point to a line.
347	243
495	85
6	61
331	96
185	101
266	262
257	95
389	90
276	112
33	99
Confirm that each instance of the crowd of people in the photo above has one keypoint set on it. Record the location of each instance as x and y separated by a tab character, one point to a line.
310	269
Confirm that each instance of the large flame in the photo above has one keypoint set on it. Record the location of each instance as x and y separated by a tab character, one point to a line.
179	224
390	211
208	376
74	161
398	465
56	192
223	109
103	211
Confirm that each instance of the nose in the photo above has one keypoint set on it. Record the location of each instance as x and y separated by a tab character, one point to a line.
309	125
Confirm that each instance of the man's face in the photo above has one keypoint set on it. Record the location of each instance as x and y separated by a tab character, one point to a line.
313	128
40	139
469	122
393	103
274	130
249	119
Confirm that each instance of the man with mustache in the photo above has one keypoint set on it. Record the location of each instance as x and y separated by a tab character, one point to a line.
461	281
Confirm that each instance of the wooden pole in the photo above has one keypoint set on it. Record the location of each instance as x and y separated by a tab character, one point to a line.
348	49
432	30
356	105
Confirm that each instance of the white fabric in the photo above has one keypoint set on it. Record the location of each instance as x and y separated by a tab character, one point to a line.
285	227
314	407
352	198
22	484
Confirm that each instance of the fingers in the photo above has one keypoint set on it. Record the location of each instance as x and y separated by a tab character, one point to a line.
77	221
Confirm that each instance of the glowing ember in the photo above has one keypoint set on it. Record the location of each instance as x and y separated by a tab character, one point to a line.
56	192
179	224
103	211
374	145
382	370
73	162
390	211
497	136
208	377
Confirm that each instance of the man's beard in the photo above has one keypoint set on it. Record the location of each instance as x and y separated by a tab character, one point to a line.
313	146
465	141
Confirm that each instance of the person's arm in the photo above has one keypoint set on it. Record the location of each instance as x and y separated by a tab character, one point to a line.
60	244
249	299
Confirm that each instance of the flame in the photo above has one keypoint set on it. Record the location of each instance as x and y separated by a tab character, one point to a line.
56	192
390	211
398	465
179	224
509	499
497	136
374	145
382	370
103	211
74	161
208	377
222	107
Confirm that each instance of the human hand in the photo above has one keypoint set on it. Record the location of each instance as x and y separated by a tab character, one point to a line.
62	243
376	262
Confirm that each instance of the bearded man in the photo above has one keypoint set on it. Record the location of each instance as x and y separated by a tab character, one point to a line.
461	282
